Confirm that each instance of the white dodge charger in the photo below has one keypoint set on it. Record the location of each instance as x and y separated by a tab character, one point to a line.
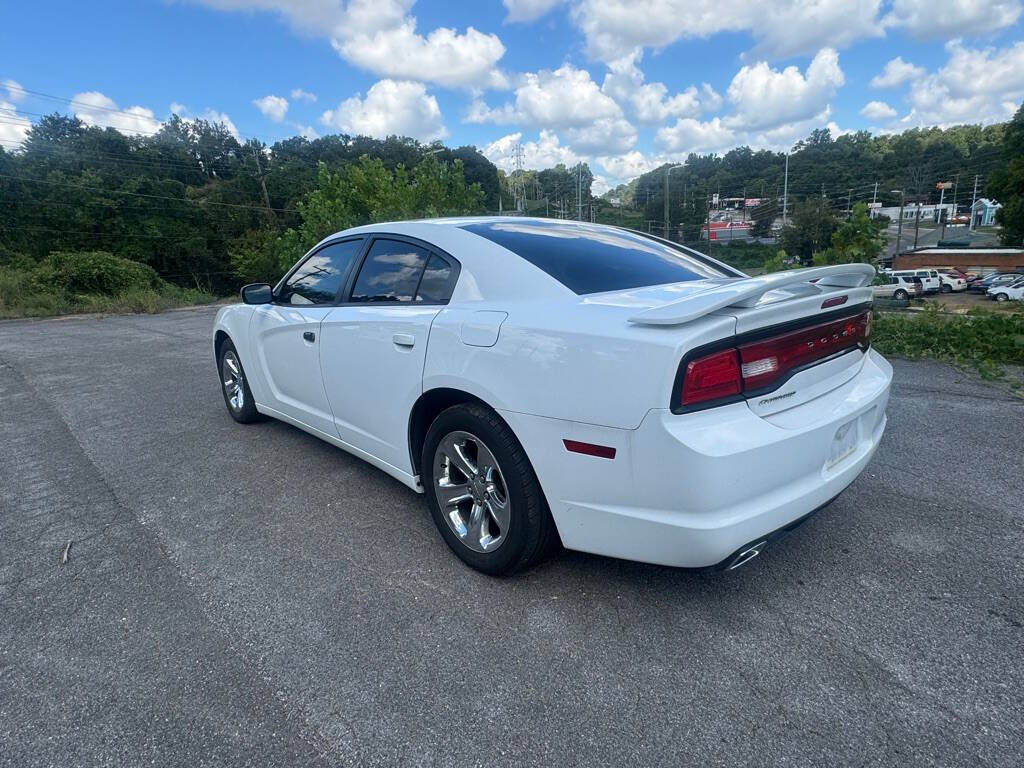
544	380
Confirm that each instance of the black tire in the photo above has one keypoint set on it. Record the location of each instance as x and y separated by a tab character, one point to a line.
1002	297
244	412
901	295
531	534
946	288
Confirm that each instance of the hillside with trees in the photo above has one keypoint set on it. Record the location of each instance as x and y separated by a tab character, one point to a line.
204	212
836	172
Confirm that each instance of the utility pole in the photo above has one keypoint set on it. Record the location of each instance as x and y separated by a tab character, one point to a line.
668	171
263	184
709	224
917	219
849	195
942	218
974	198
785	191
899	231
579	192
874	195
744	202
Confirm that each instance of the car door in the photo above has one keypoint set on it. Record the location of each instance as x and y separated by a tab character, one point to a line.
286	334
374	344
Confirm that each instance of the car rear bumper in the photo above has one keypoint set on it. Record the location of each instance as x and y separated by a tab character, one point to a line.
690	490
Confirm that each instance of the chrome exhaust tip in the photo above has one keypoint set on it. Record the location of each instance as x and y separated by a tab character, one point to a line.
747	555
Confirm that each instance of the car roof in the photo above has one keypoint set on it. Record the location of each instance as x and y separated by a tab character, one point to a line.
478	256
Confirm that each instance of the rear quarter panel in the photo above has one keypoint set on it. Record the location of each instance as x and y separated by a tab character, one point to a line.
564	360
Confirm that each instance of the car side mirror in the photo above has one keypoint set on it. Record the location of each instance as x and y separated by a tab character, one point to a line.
257	293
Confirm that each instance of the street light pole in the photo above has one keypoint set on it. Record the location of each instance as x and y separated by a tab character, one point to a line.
899	230
668	172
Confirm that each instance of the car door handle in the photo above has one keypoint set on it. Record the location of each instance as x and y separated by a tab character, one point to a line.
309	336
404	339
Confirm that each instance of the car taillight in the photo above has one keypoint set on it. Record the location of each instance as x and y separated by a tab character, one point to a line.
759	365
712	377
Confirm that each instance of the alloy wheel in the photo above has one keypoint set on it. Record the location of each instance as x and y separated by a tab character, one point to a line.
471	491
233	381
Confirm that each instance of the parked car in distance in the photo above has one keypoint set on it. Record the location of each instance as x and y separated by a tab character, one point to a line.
542	380
899	288
930	281
1008	291
952	280
993	279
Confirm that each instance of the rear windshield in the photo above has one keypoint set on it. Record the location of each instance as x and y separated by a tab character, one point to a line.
593	259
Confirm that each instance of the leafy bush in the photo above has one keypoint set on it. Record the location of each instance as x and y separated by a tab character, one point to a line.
983	340
88	281
93	272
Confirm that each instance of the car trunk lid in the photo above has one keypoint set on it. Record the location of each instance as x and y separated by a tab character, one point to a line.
799	335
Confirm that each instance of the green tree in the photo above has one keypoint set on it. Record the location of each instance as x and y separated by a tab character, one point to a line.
779	262
1007	183
860	239
808	230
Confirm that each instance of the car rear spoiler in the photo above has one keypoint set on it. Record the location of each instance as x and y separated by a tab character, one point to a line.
747	292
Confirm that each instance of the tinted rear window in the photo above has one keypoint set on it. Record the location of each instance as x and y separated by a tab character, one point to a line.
592	259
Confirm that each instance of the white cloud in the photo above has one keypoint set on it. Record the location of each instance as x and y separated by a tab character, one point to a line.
94	108
391	107
690	135
932	20
613	28
177	108
878	110
608	135
563	97
566	98
783	137
528	10
650	102
274	107
764	97
298	94
13	127
896	71
14	90
621	168
545	152
307	16
444	56
975	86
381	37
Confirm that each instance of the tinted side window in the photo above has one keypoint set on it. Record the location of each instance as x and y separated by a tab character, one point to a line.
391	272
319	278
436	285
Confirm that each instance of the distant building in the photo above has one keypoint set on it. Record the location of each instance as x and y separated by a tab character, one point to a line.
927	211
979	259
984	212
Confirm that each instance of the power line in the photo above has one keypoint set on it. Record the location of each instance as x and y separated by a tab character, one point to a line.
141	194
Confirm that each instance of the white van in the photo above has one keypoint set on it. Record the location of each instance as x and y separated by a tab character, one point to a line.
930	280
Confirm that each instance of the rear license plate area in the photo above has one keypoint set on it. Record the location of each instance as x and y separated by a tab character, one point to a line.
844	443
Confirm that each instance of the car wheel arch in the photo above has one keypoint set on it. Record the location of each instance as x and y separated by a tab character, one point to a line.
428	407
218	342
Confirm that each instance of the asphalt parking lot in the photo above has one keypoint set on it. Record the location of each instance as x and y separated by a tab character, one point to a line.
251	596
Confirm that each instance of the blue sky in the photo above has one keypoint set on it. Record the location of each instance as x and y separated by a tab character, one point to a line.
623	84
